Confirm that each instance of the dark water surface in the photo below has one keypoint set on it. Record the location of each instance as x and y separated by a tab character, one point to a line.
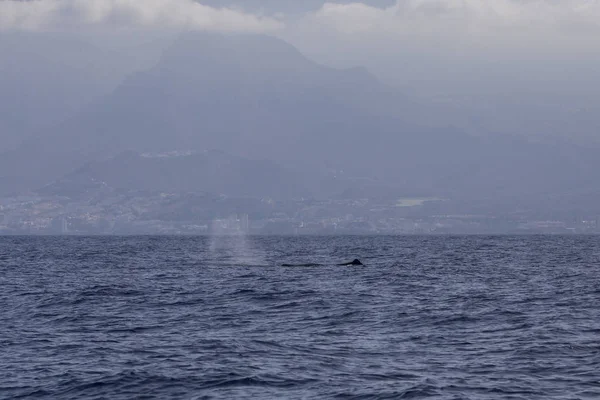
193	318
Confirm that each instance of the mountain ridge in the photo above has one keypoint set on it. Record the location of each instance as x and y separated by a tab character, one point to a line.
211	91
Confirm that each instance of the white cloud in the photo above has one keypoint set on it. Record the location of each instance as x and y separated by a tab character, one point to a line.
455	43
471	16
51	14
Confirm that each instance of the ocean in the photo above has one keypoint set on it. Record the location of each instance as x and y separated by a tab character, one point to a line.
436	317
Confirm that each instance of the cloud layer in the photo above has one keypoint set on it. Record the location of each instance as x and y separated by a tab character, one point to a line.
466	15
405	17
52	14
552	24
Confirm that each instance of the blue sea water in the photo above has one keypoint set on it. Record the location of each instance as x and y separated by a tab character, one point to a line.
442	317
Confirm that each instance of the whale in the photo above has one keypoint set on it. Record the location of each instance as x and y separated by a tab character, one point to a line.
355	262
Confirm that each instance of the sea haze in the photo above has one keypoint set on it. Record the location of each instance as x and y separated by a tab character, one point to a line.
453	317
117	140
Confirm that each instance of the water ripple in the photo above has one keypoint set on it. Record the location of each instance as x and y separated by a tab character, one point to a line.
203	318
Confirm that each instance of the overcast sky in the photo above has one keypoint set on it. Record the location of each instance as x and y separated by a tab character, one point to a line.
565	16
432	45
517	67
513	19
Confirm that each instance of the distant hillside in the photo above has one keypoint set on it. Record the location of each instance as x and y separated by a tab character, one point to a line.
249	95
208	172
254	97
47	78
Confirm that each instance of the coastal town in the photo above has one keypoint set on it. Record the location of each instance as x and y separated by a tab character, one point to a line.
121	212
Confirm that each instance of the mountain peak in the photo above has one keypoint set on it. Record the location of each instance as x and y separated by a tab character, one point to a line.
195	51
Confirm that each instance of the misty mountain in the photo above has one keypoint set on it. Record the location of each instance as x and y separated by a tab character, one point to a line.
249	95
40	87
45	79
255	97
212	172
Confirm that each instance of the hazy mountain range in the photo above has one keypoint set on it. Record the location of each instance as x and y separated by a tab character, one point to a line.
210	172
260	119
